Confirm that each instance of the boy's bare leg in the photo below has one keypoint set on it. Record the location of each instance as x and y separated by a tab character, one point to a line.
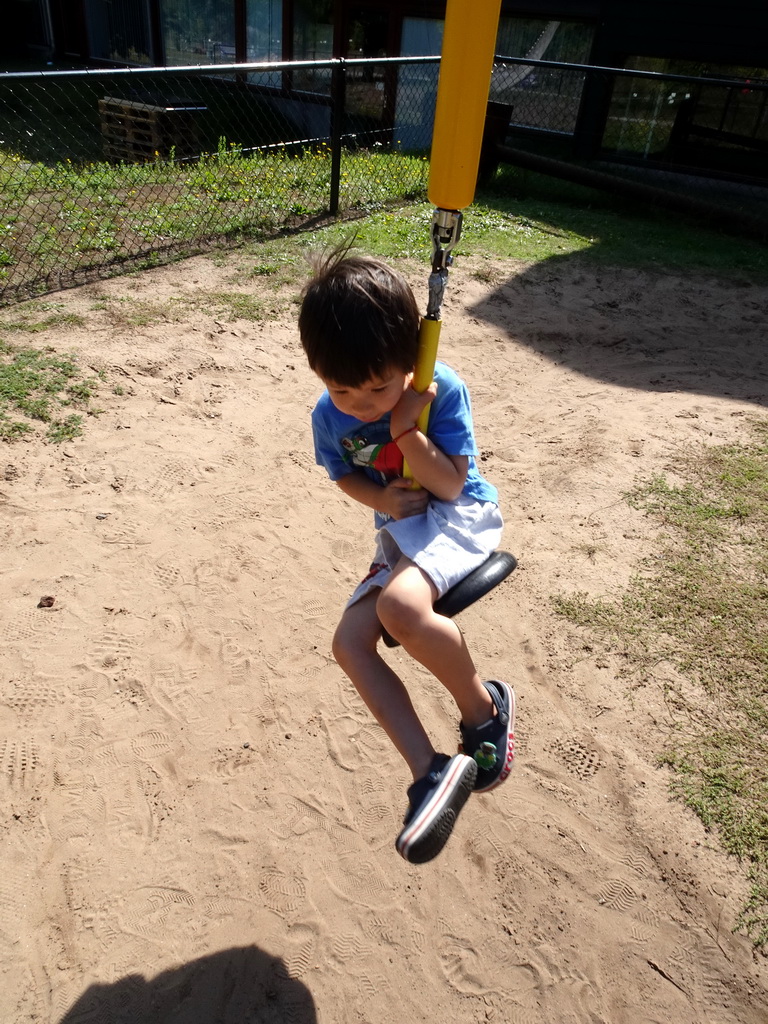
355	649
405	610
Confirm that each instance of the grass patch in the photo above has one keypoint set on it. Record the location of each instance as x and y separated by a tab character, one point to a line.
702	604
236	306
404	233
230	305
123	312
37	387
612	229
71	217
530	220
38	317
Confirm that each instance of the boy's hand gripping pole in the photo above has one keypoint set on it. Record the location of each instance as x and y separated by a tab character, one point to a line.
446	230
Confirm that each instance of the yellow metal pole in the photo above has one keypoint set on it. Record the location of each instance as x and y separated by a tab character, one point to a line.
429	336
469	41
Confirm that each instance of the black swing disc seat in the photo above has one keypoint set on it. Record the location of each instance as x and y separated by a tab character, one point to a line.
475	585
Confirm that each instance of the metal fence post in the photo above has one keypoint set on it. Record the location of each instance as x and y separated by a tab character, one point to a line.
338	103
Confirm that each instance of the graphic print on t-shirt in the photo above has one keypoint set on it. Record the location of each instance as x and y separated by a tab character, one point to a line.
362	449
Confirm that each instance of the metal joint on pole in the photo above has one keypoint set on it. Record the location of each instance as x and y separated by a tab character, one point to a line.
446	231
438	279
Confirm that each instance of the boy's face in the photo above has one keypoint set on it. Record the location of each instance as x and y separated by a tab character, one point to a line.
373	399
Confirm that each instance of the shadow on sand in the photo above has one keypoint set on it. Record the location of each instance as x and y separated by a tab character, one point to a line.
642	329
243	985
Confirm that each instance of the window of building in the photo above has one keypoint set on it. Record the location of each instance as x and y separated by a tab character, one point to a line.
540	39
265	30
312	40
118	30
367	37
702	123
312	29
543	99
198	31
417	83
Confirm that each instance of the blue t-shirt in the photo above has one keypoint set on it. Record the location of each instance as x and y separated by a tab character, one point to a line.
344	444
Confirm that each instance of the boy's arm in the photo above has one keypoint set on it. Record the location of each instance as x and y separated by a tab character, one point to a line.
396	499
442	475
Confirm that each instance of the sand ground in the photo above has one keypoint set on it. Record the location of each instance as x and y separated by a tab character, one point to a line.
199	814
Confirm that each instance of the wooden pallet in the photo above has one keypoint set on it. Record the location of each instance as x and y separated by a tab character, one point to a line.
135	131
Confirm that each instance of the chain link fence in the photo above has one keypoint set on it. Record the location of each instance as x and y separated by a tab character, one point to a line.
107	169
100	169
698	145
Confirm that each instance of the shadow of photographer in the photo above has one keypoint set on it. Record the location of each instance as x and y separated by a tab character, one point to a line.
242	985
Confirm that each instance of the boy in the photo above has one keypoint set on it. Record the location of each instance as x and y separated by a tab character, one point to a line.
359	326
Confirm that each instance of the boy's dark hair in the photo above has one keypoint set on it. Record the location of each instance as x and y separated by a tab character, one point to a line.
358	319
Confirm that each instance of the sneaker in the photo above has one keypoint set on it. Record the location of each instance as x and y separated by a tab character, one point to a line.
434	803
492	744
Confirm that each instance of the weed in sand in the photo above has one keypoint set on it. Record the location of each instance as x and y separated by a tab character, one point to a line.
34	385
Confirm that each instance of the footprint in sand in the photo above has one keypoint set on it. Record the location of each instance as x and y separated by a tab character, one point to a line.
282	892
466	969
359	879
28	697
20	764
353	745
577	758
298	951
617	894
31	626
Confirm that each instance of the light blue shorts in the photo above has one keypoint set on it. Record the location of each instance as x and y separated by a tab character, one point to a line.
447	542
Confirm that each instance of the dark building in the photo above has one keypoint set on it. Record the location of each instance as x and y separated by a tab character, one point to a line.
584	114
175	32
